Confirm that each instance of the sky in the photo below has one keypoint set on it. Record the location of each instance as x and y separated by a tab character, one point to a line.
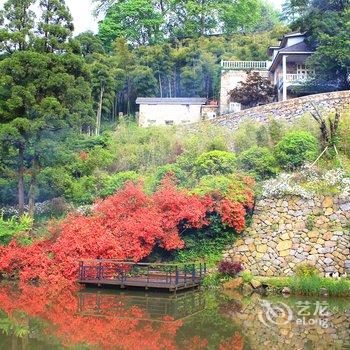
84	20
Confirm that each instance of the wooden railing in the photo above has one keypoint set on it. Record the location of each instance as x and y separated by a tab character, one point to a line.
140	274
246	65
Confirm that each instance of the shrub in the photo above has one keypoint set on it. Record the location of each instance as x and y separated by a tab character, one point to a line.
230	268
13	226
116	181
344	134
180	175
215	163
259	161
82	191
306	270
247	276
295	149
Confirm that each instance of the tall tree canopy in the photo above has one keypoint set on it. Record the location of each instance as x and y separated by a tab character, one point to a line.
44	88
151	22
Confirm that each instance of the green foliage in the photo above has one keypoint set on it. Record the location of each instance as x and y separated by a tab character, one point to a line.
143	22
310	222
116	181
295	149
82	191
215	163
310	285
259	162
306	270
344	133
206	246
173	170
12	227
247	276
231	186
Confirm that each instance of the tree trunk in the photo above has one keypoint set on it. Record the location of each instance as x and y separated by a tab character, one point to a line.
21	170
32	187
160	85
99	112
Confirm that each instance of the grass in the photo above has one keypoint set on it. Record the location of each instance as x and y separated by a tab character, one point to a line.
311	285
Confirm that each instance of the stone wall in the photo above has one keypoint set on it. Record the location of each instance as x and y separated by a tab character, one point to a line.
287	110
286	232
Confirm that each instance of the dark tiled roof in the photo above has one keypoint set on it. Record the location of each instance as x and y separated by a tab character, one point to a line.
300	47
171	101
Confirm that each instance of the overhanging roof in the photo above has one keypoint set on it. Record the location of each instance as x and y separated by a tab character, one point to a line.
296	49
171	101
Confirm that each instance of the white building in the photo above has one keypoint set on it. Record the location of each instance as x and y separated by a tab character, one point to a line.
287	69
169	111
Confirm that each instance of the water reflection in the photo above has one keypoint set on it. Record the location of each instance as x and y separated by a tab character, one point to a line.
38	318
161	307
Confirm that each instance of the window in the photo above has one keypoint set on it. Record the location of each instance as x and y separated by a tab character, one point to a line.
151	122
169	122
301	69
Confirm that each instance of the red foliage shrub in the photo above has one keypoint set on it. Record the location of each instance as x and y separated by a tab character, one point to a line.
230	268
125	226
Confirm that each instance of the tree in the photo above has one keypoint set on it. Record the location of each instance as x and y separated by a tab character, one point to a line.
256	90
41	92
55	26
17	22
138	21
107	81
89	44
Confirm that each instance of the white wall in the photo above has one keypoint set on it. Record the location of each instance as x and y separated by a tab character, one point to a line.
161	114
294	40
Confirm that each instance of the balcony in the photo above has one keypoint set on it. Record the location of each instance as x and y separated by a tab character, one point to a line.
246	65
297	78
294	79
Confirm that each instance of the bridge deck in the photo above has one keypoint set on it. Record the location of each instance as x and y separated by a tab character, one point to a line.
128	274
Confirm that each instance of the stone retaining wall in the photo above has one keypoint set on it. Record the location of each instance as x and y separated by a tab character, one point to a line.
287	110
286	232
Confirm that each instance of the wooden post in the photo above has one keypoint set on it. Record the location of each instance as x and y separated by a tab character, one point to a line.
193	273
81	269
176	275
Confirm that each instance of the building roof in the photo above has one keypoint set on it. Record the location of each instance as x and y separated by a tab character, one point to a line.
171	101
297	48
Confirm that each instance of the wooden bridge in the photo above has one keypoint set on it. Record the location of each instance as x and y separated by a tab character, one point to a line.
172	277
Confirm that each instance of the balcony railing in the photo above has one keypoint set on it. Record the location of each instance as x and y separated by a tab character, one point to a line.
243	65
291	78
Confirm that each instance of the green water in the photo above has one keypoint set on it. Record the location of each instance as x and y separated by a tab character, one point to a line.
35	318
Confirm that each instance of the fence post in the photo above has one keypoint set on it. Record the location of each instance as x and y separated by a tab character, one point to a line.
176	275
99	270
193	273
81	269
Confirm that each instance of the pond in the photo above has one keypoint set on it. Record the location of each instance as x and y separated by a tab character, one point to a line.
36	318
